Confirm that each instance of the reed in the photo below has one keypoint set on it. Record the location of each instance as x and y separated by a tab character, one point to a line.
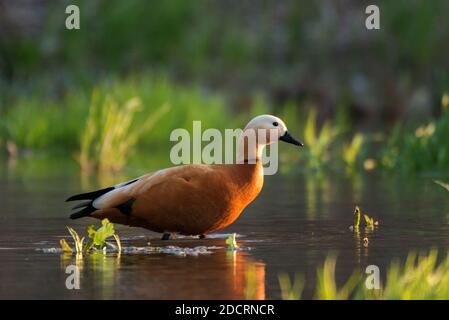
109	135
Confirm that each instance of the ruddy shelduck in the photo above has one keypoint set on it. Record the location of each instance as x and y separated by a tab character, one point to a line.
192	199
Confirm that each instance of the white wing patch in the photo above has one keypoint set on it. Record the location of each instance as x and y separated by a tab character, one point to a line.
107	200
104	201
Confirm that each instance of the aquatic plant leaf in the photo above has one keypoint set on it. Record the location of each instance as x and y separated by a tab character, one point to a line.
91	231
356	217
368	220
98	237
119	244
65	246
78	241
231	242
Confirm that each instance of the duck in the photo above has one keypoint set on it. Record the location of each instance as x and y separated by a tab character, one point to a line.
190	199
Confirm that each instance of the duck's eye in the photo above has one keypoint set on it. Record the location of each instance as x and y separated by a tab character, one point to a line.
275	124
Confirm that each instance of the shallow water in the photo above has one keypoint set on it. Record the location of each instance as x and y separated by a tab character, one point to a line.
295	223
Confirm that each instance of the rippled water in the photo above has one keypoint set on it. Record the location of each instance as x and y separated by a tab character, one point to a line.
295	223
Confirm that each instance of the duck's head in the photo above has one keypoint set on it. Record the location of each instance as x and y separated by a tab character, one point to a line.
275	129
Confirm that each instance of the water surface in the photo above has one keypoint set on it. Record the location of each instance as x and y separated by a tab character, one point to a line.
295	223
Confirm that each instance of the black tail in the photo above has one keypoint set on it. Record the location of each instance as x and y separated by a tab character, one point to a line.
89	195
86	205
84	212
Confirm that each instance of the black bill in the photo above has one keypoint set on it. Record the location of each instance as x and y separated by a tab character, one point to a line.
287	137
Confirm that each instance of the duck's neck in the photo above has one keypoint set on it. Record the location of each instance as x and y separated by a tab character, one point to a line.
249	151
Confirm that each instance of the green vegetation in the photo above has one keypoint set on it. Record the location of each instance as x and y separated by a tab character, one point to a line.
369	221
421	277
122	117
357	214
318	141
36	122
425	148
65	91
110	137
291	290
97	239
327	288
351	150
231	242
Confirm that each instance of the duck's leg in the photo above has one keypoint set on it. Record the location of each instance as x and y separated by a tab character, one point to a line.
202	236
165	236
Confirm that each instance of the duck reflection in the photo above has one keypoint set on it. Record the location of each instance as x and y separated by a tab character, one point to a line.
223	274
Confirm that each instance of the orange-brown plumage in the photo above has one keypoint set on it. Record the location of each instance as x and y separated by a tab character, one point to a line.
190	199
193	199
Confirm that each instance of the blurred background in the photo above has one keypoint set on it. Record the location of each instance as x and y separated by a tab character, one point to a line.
84	109
341	87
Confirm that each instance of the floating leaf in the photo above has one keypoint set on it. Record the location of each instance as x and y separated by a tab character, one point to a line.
65	246
231	242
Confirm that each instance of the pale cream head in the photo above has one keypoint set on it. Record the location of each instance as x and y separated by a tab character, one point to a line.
269	123
259	132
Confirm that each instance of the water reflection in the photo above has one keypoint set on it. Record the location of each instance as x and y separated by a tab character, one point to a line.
223	274
318	193
361	243
95	268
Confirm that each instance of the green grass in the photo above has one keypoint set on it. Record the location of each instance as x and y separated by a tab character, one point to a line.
136	114
39	123
327	288
109	137
420	149
291	289
351	150
421	277
318	140
114	123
